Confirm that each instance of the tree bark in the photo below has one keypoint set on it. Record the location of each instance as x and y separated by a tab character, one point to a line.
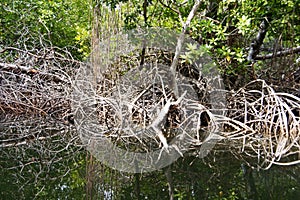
258	41
279	53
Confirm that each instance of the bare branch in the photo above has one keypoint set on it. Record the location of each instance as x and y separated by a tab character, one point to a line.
180	42
291	51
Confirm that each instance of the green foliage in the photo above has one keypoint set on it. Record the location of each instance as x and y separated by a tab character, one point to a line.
225	28
34	23
193	52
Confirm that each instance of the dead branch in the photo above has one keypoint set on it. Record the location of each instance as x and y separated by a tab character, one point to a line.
179	45
290	51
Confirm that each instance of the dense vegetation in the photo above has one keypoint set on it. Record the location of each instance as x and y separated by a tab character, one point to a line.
246	39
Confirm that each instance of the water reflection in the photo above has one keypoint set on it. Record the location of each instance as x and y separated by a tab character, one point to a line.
45	160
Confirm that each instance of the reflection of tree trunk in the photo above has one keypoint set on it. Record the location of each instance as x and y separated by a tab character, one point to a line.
250	183
89	176
137	182
137	186
170	182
